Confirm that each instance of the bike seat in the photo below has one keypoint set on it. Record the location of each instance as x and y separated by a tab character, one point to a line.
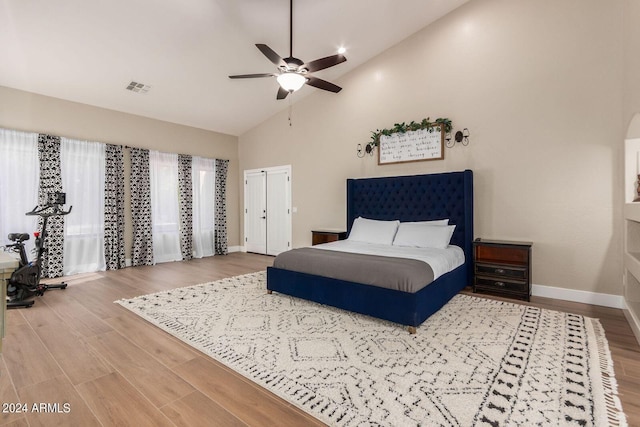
18	237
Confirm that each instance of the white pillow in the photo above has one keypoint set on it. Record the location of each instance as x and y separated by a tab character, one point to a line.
424	235
373	231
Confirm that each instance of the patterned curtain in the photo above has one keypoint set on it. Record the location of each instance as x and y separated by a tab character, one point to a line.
114	207
51	182
142	251
221	207
185	188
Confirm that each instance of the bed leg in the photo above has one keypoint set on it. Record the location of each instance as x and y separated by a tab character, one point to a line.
269	291
412	329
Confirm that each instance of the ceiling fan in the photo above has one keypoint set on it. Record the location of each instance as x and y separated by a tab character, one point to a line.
293	73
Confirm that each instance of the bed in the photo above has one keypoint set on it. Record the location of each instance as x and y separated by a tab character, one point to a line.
407	199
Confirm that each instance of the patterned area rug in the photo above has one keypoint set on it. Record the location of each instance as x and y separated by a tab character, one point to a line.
475	362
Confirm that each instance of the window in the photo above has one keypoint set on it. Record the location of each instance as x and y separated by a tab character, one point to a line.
165	216
204	188
19	175
82	167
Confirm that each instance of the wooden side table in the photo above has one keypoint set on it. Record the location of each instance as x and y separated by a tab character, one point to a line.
327	235
502	268
8	264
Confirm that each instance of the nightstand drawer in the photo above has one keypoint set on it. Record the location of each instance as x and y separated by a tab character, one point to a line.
493	284
506	271
516	255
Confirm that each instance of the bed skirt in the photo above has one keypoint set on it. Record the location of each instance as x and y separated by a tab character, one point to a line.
410	309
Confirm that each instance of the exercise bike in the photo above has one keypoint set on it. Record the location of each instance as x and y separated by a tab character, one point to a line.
25	283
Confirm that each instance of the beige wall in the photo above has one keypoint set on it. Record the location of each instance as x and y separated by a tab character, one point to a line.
538	83
35	113
632	67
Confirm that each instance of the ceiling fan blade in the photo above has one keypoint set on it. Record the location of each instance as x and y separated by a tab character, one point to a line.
282	93
251	76
322	84
322	63
273	57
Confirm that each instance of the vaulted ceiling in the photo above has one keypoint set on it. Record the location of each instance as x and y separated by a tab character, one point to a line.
89	51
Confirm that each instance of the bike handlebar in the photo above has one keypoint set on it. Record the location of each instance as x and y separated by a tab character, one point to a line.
57	211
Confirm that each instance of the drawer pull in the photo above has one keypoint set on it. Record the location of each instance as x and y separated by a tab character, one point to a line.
499	270
501	284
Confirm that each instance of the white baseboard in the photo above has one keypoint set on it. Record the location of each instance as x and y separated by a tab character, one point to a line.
594	298
230	249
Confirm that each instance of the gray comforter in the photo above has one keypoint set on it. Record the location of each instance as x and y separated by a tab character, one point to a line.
400	274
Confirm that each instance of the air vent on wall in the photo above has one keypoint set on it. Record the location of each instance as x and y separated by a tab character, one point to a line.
138	87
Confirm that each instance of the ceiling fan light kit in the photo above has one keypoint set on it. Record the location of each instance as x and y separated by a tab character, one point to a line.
291	81
292	72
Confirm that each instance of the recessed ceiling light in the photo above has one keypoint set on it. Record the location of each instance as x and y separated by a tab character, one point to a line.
342	50
138	87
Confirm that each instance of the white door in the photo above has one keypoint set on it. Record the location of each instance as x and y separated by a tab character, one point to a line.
267	221
278	211
255	211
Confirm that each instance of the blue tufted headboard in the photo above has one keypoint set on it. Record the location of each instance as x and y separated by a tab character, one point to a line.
417	198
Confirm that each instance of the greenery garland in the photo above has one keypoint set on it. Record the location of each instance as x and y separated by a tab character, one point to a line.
404	127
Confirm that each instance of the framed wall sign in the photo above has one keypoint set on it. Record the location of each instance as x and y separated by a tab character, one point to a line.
412	146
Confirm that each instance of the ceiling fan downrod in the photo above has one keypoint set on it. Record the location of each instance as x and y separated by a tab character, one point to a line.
290	28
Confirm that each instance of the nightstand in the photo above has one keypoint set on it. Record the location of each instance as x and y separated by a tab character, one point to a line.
502	268
326	236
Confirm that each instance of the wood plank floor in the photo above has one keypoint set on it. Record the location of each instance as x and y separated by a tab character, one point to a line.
104	366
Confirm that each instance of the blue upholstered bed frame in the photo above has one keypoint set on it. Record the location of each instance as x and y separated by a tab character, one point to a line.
407	198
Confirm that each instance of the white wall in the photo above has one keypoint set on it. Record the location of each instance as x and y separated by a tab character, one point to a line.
539	83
